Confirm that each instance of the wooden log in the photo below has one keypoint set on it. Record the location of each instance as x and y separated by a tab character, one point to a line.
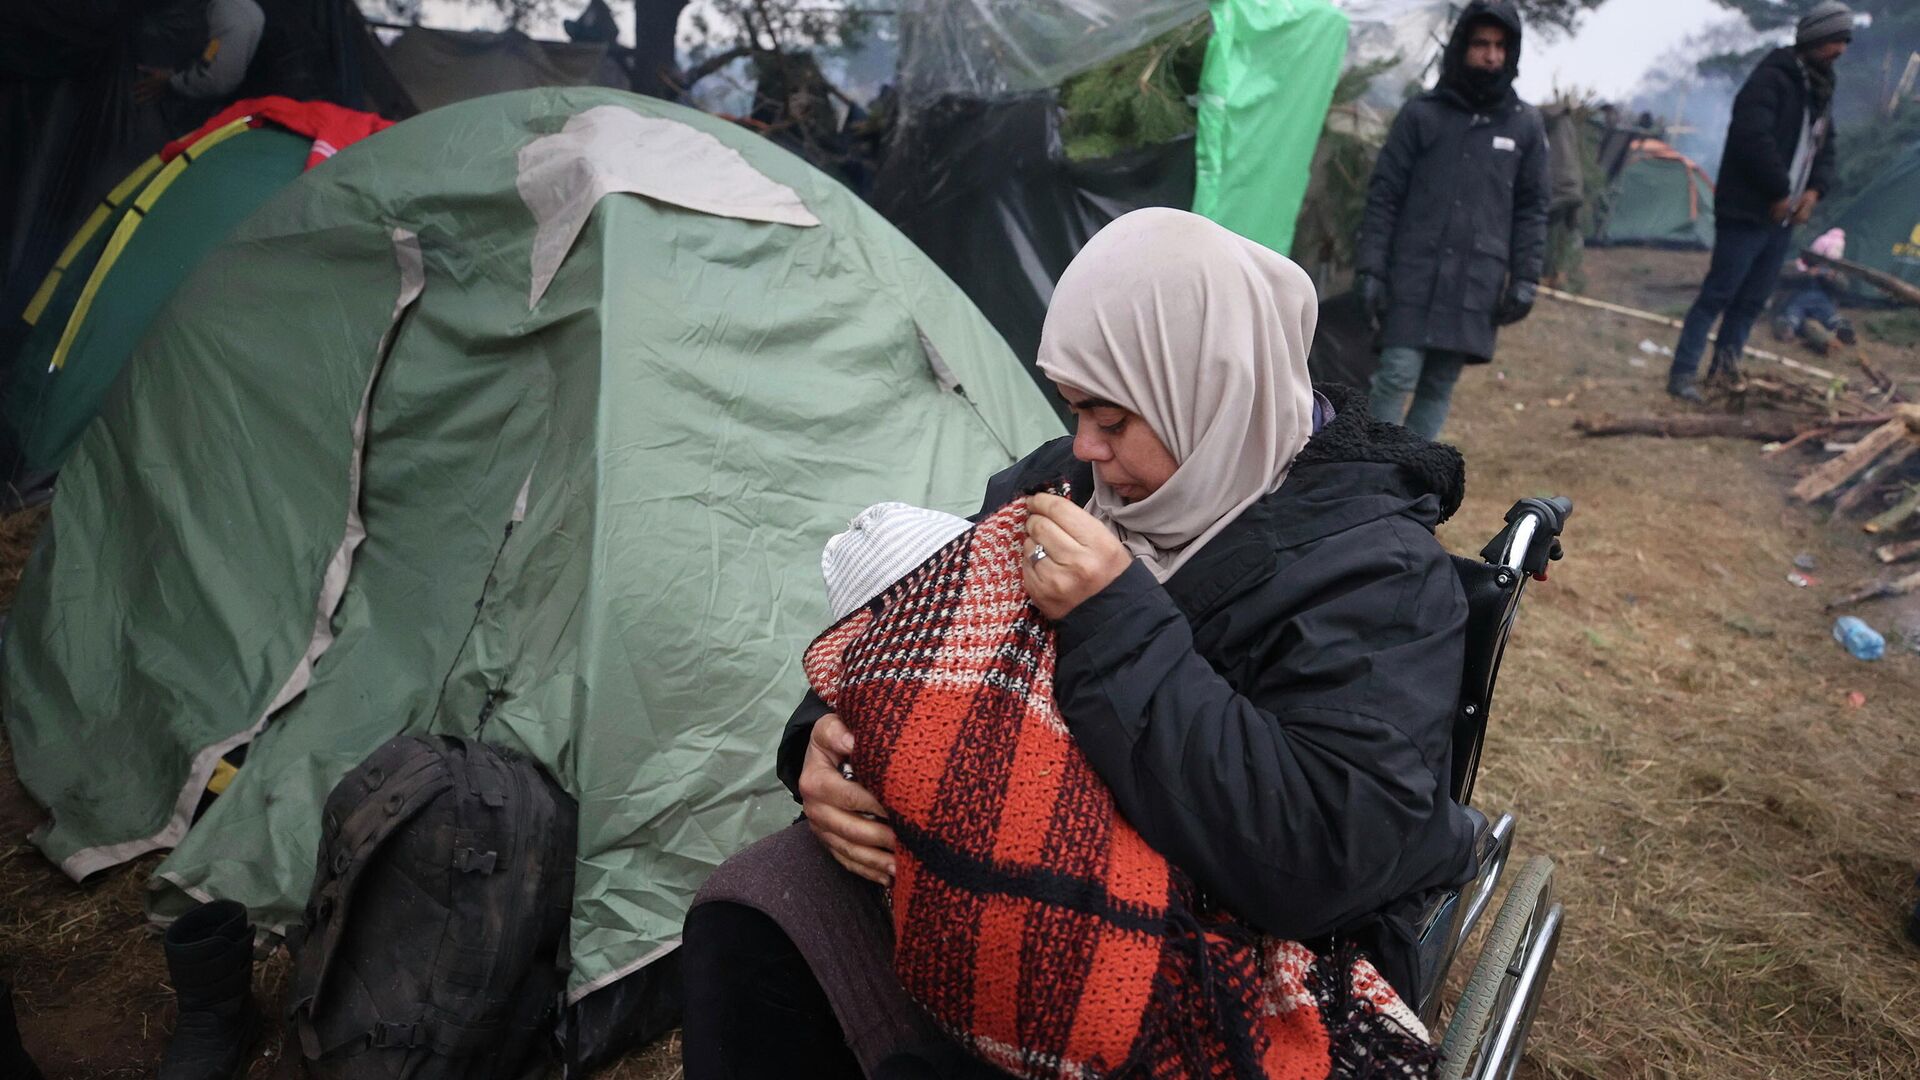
1691	426
1900	552
1885	282
1879	589
1825	479
1810	433
1648	316
1895	517
1864	488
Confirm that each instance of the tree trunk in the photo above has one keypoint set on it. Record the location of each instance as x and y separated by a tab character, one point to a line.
655	25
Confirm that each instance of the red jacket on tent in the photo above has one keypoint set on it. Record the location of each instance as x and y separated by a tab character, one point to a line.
331	127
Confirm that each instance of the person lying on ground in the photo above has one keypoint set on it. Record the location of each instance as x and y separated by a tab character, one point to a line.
1260	648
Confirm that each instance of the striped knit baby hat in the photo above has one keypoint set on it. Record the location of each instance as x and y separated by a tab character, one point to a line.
881	545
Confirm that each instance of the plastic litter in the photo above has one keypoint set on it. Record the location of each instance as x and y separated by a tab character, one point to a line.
1800	580
1804	561
1860	640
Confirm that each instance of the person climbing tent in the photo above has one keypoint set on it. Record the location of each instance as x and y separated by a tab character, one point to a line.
1661	198
524	420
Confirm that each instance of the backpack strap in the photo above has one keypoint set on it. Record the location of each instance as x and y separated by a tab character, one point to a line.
464	999
376	799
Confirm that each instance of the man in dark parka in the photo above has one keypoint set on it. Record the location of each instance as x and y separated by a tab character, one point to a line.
1455	231
1777	166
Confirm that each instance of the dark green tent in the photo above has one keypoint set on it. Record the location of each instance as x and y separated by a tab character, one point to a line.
1883	223
118	272
1660	198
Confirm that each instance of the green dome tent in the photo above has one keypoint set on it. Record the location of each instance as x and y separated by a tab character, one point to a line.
525	419
118	270
1661	198
1883	222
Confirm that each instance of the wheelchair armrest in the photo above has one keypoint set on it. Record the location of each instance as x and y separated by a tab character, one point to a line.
1450	915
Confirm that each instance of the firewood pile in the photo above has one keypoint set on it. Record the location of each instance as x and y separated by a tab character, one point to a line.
1858	416
1876	482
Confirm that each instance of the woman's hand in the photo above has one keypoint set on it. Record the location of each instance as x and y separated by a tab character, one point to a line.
1082	555
840	812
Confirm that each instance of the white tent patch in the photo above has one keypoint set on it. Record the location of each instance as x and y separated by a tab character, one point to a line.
609	149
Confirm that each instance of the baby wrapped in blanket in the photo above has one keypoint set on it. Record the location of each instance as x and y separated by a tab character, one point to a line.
1030	920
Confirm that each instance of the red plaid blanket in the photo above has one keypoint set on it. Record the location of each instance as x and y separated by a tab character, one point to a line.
1031	921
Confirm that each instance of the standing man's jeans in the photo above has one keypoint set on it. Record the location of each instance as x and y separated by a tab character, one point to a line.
1428	373
1745	267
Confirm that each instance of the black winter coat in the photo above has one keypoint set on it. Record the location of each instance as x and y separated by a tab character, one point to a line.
1456	207
1276	718
1761	138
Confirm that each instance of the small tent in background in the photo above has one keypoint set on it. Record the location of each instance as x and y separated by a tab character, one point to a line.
1883	221
1660	198
132	252
74	132
525	419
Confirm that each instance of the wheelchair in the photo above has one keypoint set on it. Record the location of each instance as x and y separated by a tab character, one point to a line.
1488	1030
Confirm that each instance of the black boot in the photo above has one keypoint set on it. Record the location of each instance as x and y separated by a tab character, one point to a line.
13	1056
210	959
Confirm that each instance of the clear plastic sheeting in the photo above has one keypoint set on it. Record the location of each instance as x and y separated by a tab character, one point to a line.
1411	33
992	48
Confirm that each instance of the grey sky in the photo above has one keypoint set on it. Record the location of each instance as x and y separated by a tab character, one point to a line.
1614	46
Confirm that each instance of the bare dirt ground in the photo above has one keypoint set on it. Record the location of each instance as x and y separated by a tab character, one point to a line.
1736	839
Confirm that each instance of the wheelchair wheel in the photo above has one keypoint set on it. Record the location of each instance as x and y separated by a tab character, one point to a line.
1489	1027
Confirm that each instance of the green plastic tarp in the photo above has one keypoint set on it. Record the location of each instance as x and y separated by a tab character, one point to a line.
1883	223
527	419
47	408
1265	87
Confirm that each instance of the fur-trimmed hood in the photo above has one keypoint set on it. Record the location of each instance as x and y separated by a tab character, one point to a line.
1355	437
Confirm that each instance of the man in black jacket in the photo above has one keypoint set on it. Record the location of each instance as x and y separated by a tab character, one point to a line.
1455	231
1777	166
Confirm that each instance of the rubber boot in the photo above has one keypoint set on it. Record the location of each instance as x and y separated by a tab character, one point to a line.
1685	391
14	1061
1843	330
1818	337
210	960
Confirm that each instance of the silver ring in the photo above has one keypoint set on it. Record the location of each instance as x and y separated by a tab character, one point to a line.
1037	555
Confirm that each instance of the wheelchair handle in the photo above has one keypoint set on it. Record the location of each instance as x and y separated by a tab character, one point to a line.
1517	546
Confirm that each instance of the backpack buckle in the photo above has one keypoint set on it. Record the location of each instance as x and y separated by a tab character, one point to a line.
470	860
389	1035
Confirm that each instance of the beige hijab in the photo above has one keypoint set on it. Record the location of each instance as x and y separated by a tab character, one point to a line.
1204	334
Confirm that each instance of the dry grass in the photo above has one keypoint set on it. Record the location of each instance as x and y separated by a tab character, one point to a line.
1736	843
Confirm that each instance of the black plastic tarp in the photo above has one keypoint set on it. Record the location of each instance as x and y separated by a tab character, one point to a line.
440	67
986	191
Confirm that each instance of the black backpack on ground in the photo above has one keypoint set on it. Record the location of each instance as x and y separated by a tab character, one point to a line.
435	938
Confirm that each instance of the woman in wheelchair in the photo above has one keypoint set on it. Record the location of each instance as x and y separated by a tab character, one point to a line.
1260	651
